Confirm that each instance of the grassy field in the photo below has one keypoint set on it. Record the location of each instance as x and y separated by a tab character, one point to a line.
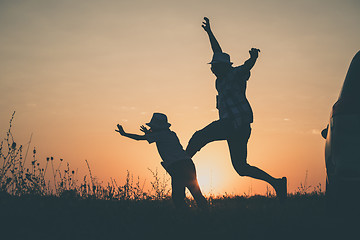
257	217
47	201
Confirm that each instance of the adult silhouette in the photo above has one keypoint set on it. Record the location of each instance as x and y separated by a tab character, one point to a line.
235	114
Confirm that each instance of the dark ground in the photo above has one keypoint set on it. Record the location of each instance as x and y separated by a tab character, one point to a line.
300	217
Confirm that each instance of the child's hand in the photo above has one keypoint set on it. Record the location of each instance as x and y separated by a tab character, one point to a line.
144	129
121	130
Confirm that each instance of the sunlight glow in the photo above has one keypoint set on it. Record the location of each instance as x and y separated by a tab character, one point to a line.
72	70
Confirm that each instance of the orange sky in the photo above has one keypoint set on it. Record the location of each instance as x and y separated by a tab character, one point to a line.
73	70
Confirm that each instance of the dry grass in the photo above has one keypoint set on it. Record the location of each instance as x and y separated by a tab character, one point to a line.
50	201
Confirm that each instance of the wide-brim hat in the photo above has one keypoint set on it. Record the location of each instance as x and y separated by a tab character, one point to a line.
159	120
220	57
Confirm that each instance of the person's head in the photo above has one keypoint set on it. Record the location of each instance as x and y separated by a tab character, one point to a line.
159	122
220	63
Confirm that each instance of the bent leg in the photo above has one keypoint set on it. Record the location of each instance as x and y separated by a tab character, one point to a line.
213	132
238	153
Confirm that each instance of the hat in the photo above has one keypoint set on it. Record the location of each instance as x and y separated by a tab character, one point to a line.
220	57
159	120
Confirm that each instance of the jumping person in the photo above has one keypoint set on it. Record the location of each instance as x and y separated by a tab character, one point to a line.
235	114
175	160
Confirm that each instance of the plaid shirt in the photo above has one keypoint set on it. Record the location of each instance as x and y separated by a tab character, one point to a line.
231	99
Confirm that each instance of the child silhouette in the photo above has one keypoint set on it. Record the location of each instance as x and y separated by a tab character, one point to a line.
175	160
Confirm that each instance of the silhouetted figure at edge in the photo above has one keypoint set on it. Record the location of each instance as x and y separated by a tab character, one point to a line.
235	114
175	160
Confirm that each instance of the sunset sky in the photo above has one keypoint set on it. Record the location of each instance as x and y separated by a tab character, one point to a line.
72	70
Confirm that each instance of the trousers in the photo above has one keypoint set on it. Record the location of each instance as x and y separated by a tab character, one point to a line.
236	137
183	175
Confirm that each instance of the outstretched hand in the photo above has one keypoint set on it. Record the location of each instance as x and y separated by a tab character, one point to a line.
254	52
206	25
120	130
144	129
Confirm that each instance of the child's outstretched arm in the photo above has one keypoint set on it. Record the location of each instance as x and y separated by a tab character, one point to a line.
129	135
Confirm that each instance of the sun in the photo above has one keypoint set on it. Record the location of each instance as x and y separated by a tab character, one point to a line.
205	180
212	173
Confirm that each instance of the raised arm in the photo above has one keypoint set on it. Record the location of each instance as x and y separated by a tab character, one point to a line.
215	46
129	135
254	54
